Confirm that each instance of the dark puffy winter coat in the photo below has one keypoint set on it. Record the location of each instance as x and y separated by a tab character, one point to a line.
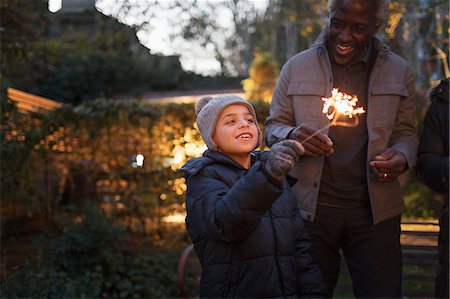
433	157
433	170
247	231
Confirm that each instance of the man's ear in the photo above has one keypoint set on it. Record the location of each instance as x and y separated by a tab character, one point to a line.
378	27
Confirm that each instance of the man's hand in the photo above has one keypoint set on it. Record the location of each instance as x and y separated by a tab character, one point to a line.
283	156
388	165
318	145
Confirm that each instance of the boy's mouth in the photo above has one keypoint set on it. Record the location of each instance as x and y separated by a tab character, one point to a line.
245	136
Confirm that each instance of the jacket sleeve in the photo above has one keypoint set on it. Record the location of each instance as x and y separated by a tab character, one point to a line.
311	280
280	121
220	212
433	163
404	136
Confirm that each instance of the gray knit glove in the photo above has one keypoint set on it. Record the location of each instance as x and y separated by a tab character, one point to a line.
283	156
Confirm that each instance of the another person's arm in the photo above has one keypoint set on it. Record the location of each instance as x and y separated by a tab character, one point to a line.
281	124
433	162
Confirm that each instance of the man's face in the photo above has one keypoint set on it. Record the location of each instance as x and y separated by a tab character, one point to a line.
352	25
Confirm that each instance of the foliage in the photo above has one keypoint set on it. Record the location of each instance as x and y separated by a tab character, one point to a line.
20	136
89	260
71	63
263	76
290	26
285	27
420	27
222	29
81	70
420	201
23	23
71	154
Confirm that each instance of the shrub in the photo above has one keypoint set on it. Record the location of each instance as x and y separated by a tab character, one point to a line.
263	76
420	202
88	261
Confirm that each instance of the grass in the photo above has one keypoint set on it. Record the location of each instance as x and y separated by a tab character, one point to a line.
418	282
419	264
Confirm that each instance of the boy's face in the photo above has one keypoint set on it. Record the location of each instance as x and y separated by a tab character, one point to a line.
236	133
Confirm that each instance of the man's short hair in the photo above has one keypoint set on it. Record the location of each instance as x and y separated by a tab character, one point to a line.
380	13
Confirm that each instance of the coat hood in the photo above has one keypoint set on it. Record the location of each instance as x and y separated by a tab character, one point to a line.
193	166
440	91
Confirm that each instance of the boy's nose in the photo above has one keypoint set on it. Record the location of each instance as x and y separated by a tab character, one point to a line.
243	123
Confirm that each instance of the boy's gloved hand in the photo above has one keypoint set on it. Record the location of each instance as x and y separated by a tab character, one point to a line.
283	156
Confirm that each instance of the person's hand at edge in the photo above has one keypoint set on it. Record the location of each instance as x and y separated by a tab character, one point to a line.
388	165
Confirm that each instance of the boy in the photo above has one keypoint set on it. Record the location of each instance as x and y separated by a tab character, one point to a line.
241	214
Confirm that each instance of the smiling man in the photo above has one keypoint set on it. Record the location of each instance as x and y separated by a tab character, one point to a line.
348	188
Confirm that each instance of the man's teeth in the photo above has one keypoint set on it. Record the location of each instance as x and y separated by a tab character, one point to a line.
343	48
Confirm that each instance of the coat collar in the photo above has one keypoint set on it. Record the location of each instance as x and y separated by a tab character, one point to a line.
193	166
440	91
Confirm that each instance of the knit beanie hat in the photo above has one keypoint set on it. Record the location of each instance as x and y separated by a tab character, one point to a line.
208	110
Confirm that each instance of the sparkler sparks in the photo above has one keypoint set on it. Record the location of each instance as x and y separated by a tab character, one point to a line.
339	104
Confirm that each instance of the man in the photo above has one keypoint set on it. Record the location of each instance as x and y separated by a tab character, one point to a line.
433	170
348	188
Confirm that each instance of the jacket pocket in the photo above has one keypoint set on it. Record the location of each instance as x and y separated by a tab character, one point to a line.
307	101
384	103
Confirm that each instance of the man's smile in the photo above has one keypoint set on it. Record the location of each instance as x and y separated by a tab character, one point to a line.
343	50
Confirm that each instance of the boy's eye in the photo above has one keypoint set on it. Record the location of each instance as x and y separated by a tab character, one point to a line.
231	121
250	120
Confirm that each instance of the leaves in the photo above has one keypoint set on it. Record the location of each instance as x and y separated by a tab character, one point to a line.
88	261
263	72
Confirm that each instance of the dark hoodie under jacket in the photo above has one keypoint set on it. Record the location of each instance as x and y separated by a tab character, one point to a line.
247	231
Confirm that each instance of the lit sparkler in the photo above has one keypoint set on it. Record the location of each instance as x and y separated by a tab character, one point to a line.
339	104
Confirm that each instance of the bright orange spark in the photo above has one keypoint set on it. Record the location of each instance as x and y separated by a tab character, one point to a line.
341	103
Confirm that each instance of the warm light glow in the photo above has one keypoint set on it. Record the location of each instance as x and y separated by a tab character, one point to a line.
175	217
340	103
188	146
179	185
140	160
179	154
54	5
